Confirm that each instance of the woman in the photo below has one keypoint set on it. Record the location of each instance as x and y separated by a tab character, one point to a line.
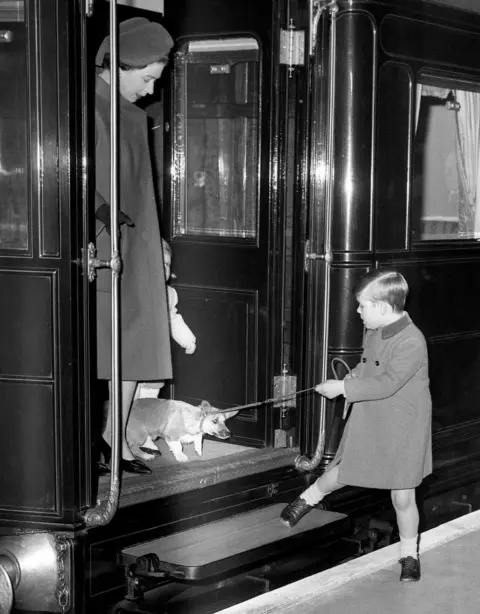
143	48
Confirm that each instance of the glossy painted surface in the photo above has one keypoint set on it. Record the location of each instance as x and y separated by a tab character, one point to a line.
44	408
380	52
233	287
222	279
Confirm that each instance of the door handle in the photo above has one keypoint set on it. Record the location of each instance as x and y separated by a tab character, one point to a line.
93	263
309	256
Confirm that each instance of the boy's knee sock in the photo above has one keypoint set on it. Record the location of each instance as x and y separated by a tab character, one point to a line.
312	495
408	547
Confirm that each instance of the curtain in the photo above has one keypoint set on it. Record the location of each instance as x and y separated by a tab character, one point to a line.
428	90
468	160
418	102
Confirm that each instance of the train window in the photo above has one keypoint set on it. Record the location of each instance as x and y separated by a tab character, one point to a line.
446	164
13	125
215	137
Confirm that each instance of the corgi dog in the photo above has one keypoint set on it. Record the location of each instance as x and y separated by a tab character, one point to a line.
177	423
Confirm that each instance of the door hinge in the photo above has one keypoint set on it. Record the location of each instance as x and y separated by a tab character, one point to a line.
284	389
292	47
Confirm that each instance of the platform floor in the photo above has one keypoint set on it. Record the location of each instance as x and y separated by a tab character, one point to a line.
450	584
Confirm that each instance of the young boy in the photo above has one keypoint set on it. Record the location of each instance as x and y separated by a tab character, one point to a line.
179	330
387	438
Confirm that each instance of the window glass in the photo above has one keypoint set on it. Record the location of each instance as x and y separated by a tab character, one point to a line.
446	163
215	138
13	125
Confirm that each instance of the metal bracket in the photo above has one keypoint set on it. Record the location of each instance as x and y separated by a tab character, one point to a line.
283	386
316	9
292	47
94	263
6	36
309	255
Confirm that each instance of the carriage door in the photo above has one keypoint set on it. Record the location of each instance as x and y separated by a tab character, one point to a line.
43	435
216	207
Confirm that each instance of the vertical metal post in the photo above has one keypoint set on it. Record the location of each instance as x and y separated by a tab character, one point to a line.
103	513
115	252
303	462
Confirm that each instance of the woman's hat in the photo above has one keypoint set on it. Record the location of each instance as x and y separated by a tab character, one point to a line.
140	42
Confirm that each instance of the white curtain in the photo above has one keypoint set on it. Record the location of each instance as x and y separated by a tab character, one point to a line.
418	102
428	90
468	160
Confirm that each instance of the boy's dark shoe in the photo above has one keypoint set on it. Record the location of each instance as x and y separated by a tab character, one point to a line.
294	512
410	569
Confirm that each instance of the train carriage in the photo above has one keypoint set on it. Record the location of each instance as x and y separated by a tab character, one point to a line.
296	145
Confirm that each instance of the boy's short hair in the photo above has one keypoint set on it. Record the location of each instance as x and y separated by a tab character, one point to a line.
388	286
166	248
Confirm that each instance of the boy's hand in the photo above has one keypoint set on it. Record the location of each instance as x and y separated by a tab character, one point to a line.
331	388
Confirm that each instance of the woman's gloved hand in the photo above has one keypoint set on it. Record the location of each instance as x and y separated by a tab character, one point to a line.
103	215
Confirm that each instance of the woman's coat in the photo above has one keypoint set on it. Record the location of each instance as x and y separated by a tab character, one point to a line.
387	441
145	336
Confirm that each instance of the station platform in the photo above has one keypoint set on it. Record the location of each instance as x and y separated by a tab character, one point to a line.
450	583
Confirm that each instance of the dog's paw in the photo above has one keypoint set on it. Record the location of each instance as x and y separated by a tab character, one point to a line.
151	451
147	456
181	457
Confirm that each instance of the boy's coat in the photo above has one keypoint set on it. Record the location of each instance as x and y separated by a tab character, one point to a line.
387	441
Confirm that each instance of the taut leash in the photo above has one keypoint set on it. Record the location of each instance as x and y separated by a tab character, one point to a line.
267	401
294	394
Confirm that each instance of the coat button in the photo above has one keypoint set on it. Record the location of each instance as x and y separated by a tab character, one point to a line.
377	363
364	360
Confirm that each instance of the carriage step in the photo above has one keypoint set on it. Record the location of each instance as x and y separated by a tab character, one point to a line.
225	545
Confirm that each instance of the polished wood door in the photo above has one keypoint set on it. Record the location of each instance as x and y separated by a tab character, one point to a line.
219	202
44	477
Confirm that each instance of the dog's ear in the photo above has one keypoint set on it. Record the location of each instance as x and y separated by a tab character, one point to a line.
205	407
230	414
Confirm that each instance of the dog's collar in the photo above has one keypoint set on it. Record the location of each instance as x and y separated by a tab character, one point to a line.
201	422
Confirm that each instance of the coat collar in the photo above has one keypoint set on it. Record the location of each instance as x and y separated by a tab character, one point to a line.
102	89
395	327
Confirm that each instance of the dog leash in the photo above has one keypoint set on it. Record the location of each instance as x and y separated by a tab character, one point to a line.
267	401
294	394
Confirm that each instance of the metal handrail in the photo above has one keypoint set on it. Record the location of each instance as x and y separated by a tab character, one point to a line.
303	462
104	511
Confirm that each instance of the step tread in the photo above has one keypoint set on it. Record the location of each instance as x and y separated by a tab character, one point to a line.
221	546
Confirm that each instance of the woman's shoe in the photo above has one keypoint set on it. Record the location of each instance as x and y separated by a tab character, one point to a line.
103	469
134	466
129	466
